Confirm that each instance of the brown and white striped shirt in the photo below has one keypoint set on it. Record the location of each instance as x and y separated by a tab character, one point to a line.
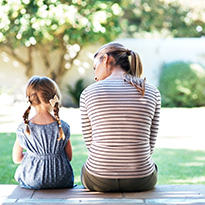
120	128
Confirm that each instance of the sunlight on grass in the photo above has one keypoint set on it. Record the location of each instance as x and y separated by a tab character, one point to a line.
188	164
178	166
79	156
7	167
194	180
175	166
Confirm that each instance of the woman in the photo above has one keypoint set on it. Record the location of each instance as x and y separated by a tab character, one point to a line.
120	120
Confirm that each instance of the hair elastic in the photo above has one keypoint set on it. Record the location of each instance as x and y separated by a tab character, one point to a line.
54	101
128	51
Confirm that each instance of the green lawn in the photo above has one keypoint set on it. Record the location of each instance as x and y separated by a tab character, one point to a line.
175	166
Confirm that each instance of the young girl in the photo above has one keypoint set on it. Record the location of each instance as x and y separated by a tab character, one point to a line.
46	139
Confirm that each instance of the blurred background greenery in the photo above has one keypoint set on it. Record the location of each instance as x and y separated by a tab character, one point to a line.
182	85
67	26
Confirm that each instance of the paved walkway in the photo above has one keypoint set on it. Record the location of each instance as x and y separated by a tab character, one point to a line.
162	194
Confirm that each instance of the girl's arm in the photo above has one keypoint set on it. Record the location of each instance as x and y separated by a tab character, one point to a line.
68	150
17	153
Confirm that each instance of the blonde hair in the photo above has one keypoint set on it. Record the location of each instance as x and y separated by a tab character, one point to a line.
133	68
38	90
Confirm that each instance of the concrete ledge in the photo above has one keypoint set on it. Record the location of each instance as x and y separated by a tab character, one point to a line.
162	194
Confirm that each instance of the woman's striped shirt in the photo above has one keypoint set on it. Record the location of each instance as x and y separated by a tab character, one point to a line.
120	128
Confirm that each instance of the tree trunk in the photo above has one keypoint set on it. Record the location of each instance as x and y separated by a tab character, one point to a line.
55	73
29	63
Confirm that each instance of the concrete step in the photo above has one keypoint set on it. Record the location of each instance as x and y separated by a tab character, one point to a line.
161	194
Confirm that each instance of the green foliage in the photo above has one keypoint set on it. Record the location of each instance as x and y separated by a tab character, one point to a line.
163	18
76	90
67	26
54	21
182	85
49	25
87	21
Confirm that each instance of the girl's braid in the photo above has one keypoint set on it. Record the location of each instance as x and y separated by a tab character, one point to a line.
56	114
25	118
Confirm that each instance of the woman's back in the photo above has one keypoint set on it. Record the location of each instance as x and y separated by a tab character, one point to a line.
117	121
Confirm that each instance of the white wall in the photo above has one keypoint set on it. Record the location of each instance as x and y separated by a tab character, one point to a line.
153	53
12	78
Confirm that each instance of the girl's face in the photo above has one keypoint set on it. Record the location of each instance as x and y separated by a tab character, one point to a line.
100	69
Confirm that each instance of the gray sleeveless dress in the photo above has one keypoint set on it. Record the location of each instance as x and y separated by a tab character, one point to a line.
45	164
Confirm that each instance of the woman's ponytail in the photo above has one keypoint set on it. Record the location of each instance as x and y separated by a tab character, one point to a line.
135	64
135	72
139	67
138	83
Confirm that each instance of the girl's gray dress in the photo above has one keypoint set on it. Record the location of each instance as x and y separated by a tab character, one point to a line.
45	164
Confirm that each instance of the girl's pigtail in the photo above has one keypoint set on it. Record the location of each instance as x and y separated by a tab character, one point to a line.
55	105
25	118
56	114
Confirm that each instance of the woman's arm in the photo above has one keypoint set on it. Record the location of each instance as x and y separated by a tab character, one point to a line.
85	121
68	150
155	123
17	153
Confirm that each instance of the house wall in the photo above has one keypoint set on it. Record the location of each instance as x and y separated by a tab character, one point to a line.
154	53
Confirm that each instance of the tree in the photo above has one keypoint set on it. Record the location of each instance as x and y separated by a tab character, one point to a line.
49	25
68	25
163	17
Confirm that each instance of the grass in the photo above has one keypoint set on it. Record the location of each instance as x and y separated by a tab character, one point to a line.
179	166
175	166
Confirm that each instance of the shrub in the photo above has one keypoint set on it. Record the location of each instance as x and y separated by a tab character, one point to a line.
182	85
76	90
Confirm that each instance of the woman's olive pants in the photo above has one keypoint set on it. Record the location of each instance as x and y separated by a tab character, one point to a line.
94	183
